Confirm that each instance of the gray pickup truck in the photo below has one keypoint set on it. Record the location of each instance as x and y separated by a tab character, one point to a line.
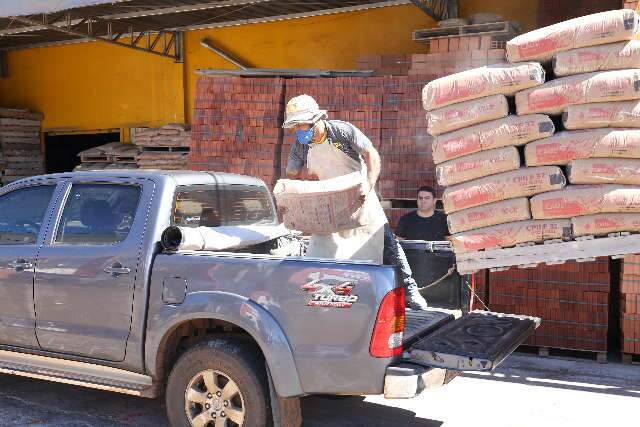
89	297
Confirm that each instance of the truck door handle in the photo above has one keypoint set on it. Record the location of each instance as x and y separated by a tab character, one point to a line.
117	269
21	265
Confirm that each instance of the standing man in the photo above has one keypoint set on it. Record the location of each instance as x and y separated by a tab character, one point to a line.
425	223
332	148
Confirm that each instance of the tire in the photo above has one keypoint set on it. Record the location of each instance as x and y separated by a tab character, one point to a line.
203	374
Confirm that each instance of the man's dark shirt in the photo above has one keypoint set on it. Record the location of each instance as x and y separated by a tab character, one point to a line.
413	227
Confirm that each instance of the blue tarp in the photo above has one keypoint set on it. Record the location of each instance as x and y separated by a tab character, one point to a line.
30	7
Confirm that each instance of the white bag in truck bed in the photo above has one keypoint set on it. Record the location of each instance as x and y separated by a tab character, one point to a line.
565	146
465	114
523	182
605	57
511	130
321	207
555	96
590	30
621	114
476	83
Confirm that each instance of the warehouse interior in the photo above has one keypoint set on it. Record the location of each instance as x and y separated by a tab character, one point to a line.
202	85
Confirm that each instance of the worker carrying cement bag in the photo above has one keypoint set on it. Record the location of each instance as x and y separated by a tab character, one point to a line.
565	146
510	210
331	149
621	114
603	224
590	30
465	114
555	96
605	57
495	79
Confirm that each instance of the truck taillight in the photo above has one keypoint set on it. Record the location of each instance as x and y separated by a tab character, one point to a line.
389	327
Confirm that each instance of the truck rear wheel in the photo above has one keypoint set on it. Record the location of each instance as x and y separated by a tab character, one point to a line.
219	383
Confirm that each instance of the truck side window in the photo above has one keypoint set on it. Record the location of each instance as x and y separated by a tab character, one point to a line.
98	214
22	213
214	206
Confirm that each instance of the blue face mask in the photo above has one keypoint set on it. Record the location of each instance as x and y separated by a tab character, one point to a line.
304	137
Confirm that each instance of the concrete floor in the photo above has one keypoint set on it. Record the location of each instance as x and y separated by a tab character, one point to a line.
524	391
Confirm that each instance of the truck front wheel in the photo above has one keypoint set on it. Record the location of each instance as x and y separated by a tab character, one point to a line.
219	383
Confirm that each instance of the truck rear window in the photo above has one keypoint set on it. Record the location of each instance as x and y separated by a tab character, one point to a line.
214	206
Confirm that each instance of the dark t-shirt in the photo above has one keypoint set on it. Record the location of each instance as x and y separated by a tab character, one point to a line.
413	227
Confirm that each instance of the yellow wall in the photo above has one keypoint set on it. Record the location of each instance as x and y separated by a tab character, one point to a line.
98	86
94	86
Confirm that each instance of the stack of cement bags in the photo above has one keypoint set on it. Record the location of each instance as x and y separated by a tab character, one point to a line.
476	148
597	92
162	148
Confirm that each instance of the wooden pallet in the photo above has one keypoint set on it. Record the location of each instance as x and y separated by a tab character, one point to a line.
565	353
631	359
552	252
506	30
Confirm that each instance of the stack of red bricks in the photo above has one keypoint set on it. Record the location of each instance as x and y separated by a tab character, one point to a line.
572	299
629	4
455	54
237	126
480	286
385	65
630	305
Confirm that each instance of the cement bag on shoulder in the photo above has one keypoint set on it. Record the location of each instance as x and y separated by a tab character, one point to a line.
604	171
555	96
495	79
512	130
590	30
621	114
603	224
219	238
614	56
322	207
508	185
565	146
468	113
477	165
507	235
487	215
585	200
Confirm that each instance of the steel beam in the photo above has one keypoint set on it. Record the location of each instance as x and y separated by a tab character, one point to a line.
132	43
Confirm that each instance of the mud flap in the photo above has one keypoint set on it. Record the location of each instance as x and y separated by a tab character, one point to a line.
479	341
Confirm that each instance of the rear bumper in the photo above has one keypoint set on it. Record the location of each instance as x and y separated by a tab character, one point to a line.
408	380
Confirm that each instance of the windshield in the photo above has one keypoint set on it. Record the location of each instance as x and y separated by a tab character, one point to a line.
214	206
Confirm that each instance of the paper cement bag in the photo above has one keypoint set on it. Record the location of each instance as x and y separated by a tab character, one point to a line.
590	30
604	171
487	215
555	96
512	130
565	146
585	200
476	83
523	182
477	165
603	224
321	207
614	56
621	114
506	235
465	114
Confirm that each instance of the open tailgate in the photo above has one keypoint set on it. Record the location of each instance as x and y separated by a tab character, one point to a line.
479	341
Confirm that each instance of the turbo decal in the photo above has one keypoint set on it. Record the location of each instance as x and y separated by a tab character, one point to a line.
330	291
